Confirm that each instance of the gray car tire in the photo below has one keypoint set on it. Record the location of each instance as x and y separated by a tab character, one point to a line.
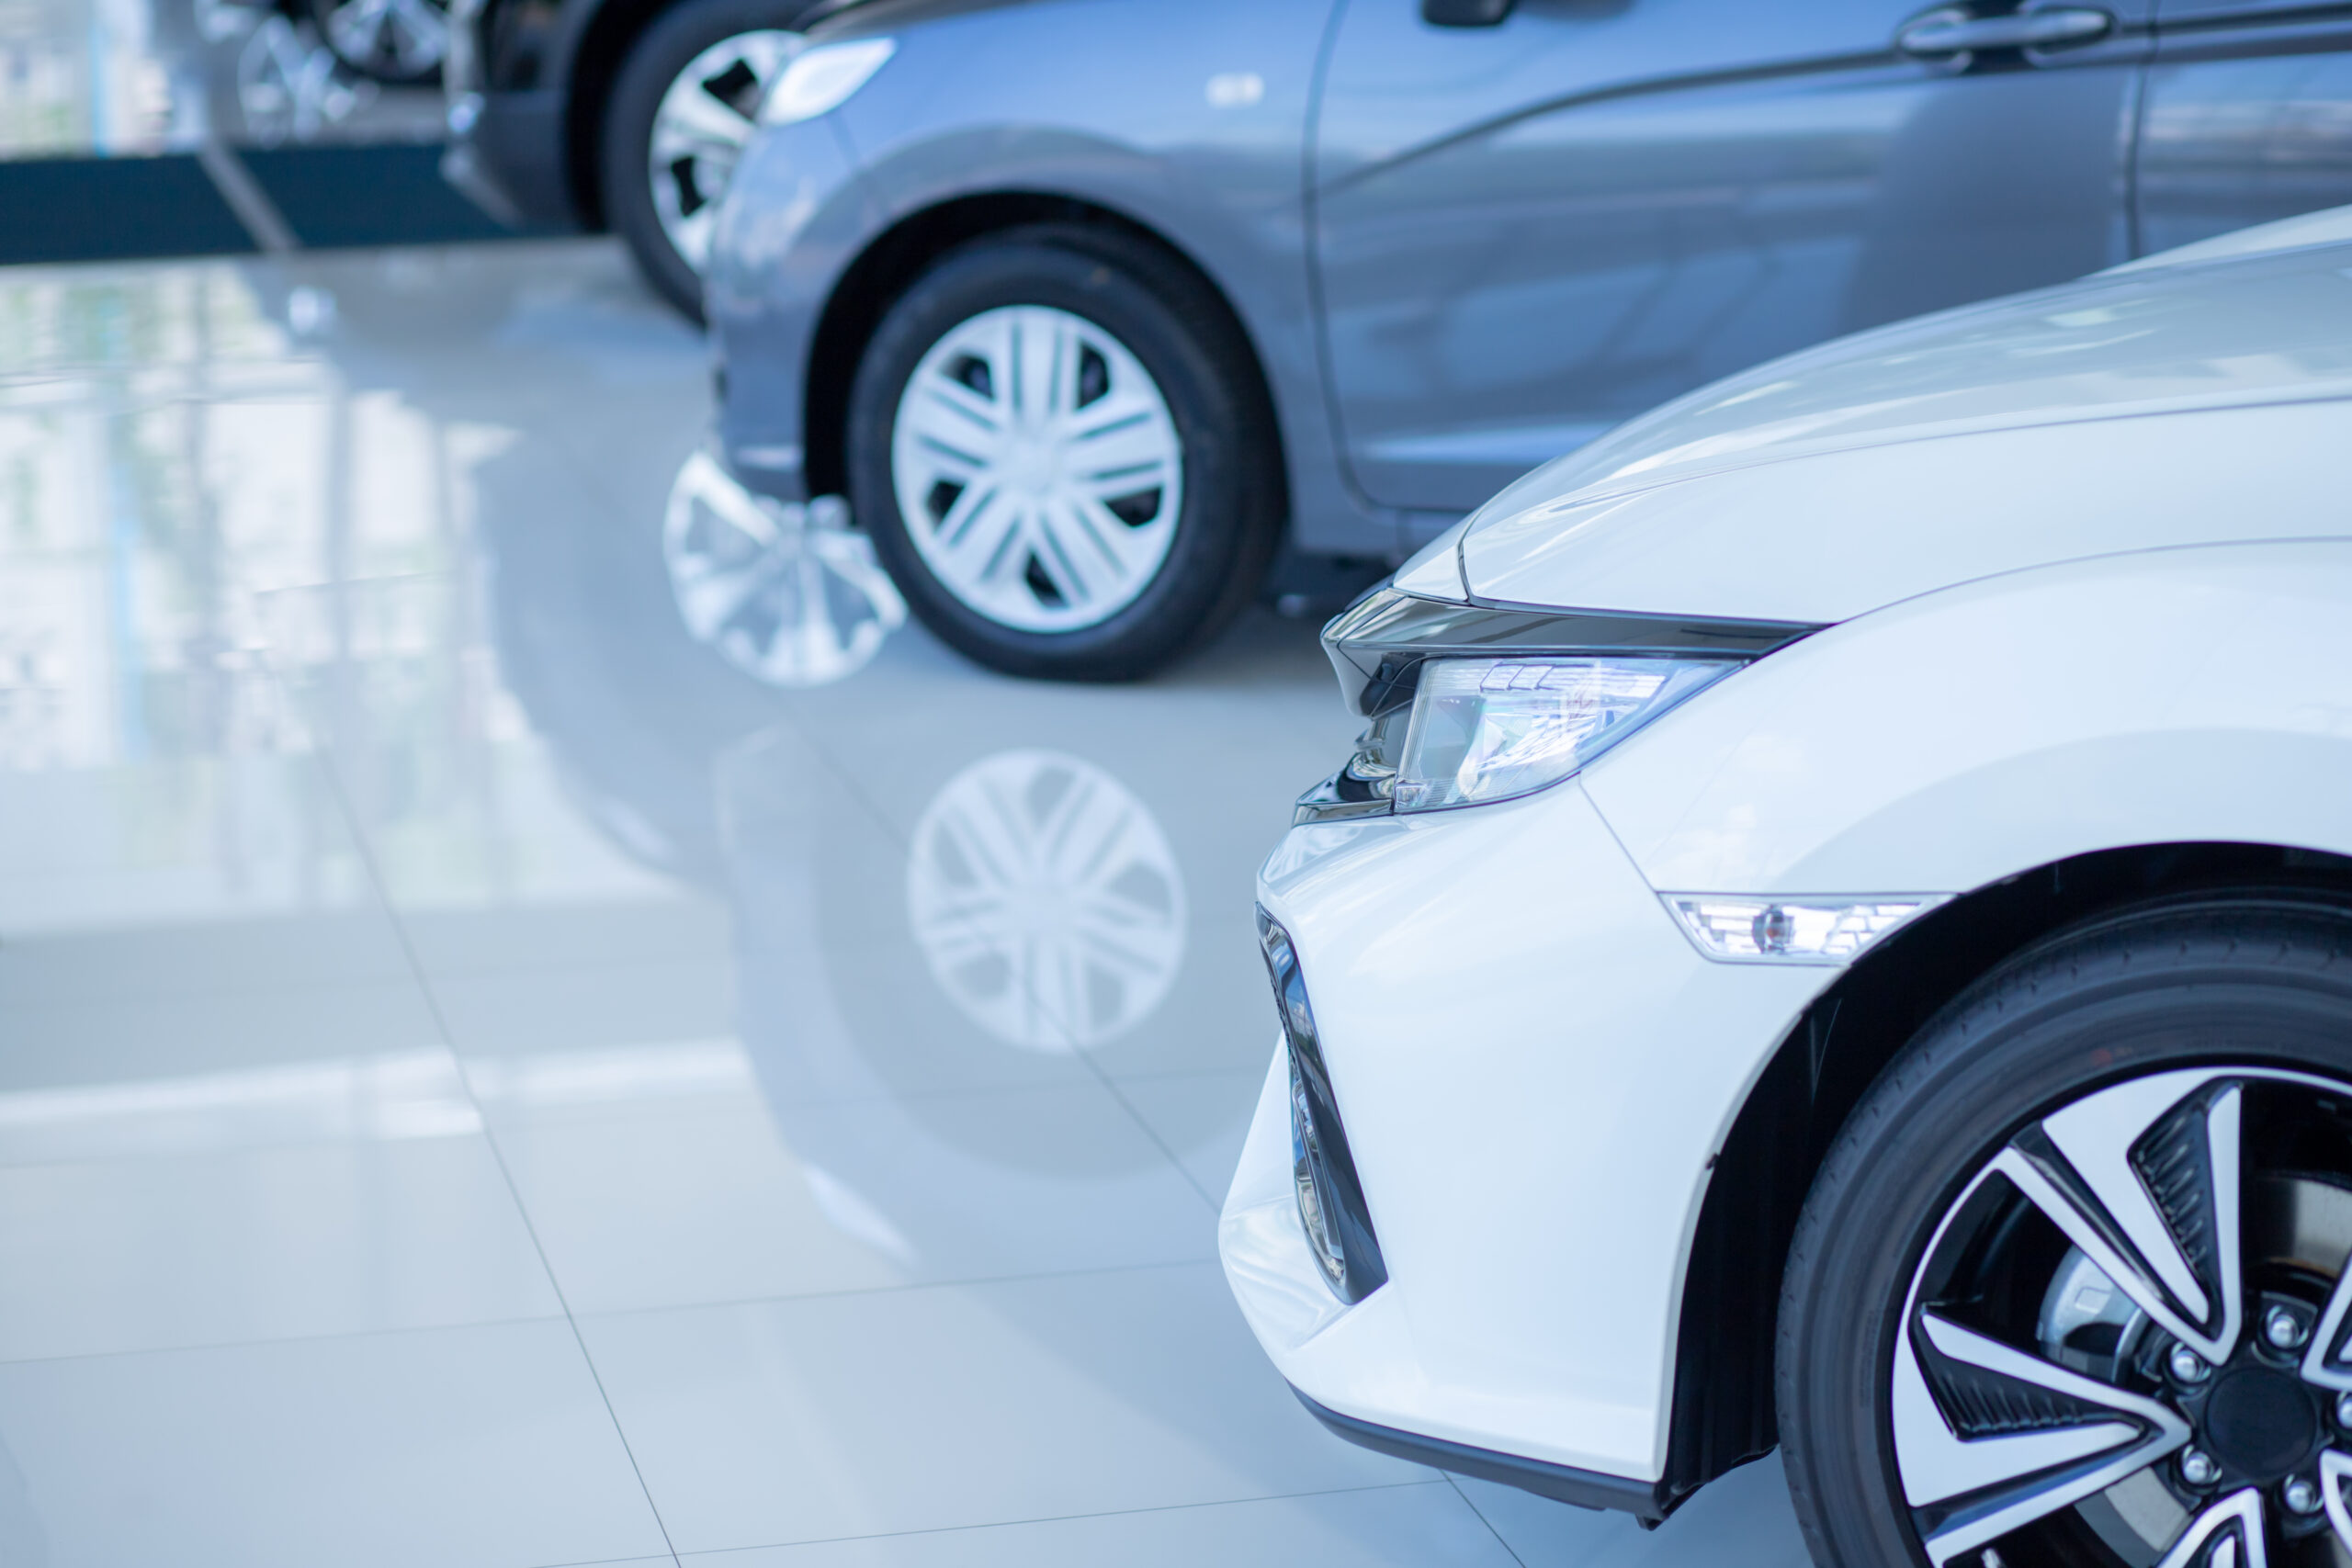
1183	337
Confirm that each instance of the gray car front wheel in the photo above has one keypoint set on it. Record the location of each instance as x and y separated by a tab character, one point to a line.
1063	453
1043	467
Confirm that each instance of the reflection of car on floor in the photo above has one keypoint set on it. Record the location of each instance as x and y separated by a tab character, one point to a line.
788	598
1923	854
1084	304
856	1000
611	114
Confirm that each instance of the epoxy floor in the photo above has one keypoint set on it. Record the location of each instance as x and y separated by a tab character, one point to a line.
538	1025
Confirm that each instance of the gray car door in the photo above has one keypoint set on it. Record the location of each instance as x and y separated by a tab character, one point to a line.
2248	117
1529	230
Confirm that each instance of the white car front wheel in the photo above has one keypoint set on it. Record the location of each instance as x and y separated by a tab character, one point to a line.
2072	1290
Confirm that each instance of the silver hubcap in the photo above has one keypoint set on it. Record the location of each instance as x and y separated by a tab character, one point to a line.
2173	1377
699	130
1037	468
406	37
1047	900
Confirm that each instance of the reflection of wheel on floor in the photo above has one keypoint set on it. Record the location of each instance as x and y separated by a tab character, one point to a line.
788	594
1059	445
391	41
2071	1289
1047	900
686	100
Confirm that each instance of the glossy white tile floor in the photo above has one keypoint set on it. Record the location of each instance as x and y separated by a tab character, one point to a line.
485	1079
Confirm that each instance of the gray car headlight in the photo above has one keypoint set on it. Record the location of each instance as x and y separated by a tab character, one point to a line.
1488	729
821	79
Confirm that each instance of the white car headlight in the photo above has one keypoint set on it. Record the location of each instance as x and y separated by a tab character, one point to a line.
821	79
1490	728
1471	703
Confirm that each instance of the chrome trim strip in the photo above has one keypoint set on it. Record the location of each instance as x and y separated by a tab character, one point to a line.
1378	644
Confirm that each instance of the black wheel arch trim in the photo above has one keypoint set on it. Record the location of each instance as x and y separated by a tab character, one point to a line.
892	259
1647	1500
584	51
1722	1412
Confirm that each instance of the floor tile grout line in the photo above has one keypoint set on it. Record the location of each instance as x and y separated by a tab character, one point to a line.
871	808
1480	1514
1216	1206
201	1346
133	1159
599	1313
873	811
1065	1519
708	1102
783	1298
366	853
176	995
890	830
1252	1070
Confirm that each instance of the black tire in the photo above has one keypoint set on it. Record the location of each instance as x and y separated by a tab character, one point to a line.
2252	983
653	62
1172	324
381	63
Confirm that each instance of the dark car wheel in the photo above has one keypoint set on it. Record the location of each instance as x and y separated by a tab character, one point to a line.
685	101
2071	1288
398	41
1056	440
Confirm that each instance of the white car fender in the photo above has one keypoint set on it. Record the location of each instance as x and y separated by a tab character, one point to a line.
1515	1028
1944	743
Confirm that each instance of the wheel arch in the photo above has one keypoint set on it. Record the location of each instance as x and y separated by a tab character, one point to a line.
597	50
1722	1411
867	289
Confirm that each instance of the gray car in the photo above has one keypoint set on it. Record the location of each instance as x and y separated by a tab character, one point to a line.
1092	310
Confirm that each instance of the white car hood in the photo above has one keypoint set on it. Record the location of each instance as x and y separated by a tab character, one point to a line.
2196	397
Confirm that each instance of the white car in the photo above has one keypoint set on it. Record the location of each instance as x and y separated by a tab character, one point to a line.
1840	932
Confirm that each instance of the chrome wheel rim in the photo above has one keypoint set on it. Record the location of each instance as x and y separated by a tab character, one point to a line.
706	116
1037	468
1047	900
2126	1336
400	37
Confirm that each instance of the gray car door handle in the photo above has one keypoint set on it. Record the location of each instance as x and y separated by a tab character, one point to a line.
1939	35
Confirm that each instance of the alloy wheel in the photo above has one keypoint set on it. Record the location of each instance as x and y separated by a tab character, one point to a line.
2125	1342
1038	468
398	40
699	129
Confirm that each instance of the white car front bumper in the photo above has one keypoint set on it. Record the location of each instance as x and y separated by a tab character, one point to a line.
1535	1069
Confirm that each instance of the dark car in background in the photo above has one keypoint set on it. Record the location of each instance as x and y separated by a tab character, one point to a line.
395	41
1087	306
620	113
